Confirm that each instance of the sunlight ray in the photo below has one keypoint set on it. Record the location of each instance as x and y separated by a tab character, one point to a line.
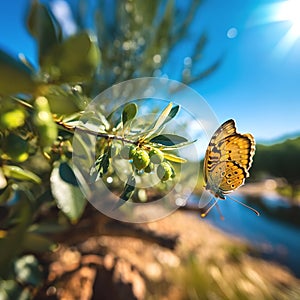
286	12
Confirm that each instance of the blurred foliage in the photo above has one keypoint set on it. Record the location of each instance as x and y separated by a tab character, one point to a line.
224	280
279	160
146	34
38	193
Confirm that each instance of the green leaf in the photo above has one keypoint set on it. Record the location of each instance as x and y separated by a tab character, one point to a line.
36	243
100	166
81	150
10	289
128	189
168	114
127	192
28	271
173	113
10	243
15	77
67	174
74	60
129	112
43	27
96	119
47	227
18	173
162	118
6	193
68	196
3	181
174	158
177	146
61	100
168	139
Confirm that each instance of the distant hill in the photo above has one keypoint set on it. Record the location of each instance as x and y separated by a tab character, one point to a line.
278	160
281	139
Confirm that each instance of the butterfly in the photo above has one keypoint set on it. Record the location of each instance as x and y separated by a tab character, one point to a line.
227	161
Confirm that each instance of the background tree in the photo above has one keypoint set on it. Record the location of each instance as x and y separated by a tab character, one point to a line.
279	160
133	39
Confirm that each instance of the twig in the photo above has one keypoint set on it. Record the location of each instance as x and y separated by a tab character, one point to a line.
107	136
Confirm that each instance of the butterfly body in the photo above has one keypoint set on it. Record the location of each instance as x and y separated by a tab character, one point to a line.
227	160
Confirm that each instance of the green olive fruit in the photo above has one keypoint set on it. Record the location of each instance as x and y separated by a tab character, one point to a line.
12	119
128	151
141	159
156	156
164	171
149	168
44	123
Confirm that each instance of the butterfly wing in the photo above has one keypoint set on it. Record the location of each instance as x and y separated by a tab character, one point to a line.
233	177
226	129
239	148
225	177
228	158
213	154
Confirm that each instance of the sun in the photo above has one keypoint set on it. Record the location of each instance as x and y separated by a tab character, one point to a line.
286	12
290	11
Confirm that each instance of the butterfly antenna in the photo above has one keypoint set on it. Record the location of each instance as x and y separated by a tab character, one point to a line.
203	215
245	205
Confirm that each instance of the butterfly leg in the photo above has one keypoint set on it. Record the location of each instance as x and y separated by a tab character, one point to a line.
203	215
220	212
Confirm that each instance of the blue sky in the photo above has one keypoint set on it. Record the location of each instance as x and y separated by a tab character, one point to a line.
258	83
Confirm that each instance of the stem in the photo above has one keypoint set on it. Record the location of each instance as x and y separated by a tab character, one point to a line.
107	136
71	128
22	102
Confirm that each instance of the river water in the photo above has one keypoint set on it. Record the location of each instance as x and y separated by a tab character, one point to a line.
276	240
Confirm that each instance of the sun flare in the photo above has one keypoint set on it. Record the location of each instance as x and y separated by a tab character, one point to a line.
286	14
290	11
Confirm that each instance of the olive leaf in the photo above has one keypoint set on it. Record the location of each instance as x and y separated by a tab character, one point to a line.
174	158
177	146
3	181
100	166
10	242
36	243
129	113
168	139
15	77
63	64
43	26
28	270
18	173
128	189
127	192
66	191
67	174
11	289
167	114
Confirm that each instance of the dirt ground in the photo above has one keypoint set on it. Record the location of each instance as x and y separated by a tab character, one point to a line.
167	259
